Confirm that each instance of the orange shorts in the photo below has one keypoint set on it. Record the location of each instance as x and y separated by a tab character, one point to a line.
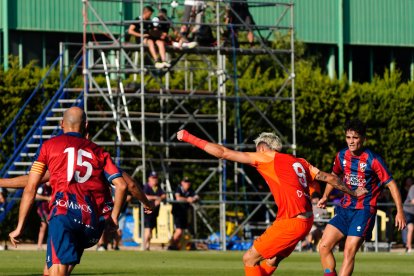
281	238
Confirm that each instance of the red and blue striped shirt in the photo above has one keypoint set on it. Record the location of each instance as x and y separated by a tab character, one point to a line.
367	170
77	167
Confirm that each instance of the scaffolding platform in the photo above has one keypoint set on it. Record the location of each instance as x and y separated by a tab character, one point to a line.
137	109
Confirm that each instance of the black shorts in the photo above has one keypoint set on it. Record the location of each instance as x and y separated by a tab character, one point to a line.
180	221
150	221
409	217
242	17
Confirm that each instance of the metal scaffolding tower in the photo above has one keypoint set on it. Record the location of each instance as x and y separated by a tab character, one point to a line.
137	108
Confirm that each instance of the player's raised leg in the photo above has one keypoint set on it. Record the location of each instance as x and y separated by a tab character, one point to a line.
251	261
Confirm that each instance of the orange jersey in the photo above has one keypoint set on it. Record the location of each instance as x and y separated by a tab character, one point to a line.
314	187
288	178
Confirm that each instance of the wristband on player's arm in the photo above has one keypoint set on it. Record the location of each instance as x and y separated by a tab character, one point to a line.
191	139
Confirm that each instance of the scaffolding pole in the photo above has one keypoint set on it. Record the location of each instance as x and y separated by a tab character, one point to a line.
153	110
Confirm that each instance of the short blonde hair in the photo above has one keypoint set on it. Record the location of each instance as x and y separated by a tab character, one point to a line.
270	139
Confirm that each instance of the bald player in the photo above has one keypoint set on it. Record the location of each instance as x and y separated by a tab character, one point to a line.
81	202
288	178
136	191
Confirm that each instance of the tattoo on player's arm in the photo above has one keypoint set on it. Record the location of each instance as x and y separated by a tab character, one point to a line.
337	184
340	185
321	176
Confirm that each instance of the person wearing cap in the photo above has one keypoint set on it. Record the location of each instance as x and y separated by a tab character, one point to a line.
185	196
155	194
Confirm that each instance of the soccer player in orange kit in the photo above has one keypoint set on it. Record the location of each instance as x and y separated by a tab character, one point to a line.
288	178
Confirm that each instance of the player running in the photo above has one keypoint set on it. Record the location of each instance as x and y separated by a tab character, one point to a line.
136	191
81	202
288	178
355	217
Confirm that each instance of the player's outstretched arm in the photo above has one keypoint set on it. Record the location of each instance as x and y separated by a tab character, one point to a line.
337	183
137	192
400	221
19	182
216	150
120	195
26	203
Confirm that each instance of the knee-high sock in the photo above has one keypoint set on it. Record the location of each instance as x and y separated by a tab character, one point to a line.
252	270
266	269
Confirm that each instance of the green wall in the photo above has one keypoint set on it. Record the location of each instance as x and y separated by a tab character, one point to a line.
63	15
380	22
366	22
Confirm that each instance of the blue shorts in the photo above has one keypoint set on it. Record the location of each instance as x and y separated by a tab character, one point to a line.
354	222
409	217
67	239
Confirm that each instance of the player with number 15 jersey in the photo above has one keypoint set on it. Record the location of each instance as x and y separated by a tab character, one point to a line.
77	181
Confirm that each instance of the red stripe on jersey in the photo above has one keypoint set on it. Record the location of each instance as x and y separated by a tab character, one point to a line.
55	259
346	201
361	175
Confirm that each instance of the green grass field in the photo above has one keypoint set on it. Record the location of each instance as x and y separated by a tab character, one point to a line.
197	263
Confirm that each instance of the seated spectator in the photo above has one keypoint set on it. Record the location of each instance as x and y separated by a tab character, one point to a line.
193	13
186	196
152	36
238	14
165	25
315	234
43	195
205	37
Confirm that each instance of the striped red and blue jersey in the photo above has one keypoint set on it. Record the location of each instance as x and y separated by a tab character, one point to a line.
367	170
77	169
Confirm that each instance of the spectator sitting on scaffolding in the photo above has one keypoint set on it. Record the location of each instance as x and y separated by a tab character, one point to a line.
165	25
191	22
152	36
239	17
